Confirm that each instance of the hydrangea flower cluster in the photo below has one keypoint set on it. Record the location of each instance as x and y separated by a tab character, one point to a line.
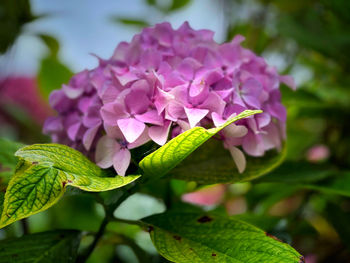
162	83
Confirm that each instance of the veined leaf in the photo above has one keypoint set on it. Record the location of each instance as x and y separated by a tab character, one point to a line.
41	179
53	246
212	163
176	150
194	237
61	157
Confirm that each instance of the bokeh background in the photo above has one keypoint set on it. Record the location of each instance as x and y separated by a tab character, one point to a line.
42	43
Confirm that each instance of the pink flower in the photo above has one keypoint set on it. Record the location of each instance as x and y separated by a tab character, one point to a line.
318	153
211	195
24	92
162	83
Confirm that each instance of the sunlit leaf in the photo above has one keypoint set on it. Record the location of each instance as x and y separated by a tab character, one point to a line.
176	150
42	175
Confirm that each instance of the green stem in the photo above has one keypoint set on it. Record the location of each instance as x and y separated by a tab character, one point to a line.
130	222
25	227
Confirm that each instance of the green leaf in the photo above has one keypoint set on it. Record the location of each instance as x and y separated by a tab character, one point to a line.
2	196
178	4
51	43
45	247
193	237
52	74
211	164
7	151
61	157
42	175
163	160
131	22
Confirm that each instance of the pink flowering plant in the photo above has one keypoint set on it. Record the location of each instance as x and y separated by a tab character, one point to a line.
169	104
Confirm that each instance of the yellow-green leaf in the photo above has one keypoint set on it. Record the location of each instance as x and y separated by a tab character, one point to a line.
176	150
42	175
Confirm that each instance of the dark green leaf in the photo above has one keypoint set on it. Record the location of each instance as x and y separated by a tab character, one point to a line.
211	163
194	237
47	247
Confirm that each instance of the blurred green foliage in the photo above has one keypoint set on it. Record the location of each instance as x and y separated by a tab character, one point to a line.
13	15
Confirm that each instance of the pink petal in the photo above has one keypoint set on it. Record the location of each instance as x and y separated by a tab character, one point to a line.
196	88
137	101
278	111
195	115
214	103
105	151
175	111
89	137
72	93
289	81
252	144
239	158
162	99
159	134
218	120
73	131
263	119
144	137
211	195
150	59
188	67
113	131
151	117
184	125
234	130
111	112
272	137
121	161
131	128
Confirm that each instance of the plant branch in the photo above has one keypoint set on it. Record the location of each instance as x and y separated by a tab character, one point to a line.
92	246
109	217
130	222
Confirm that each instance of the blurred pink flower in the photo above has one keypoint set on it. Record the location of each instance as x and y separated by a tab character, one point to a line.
211	195
318	153
24	92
